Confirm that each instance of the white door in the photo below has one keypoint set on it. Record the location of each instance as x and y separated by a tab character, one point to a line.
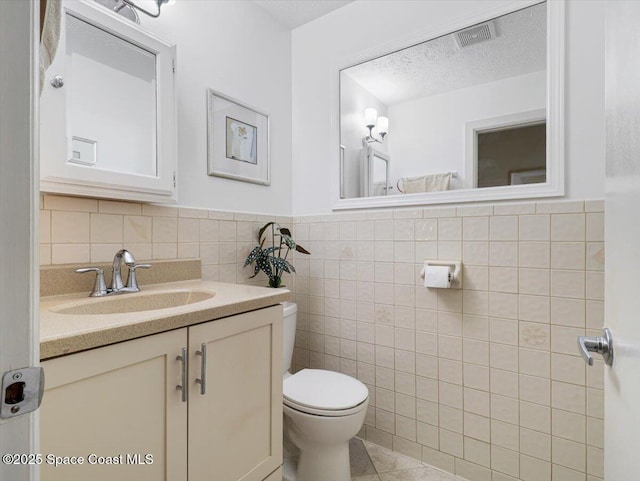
622	232
19	206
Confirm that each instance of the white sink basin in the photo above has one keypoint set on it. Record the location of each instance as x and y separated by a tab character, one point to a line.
124	303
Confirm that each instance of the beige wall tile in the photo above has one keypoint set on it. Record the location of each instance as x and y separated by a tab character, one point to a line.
451	443
451	419
505	461
70	204
137	229
471	471
535	390
477	402
568	255
555	207
535	417
45	226
504	254
475	229
504	228
534	281
569	454
535	227
476	377
505	409
477	452
568	397
475	253
106	253
569	369
106	228
450	229
503	279
69	227
117	207
535	443
568	284
568	425
477	427
503	305
595	227
45	254
505	435
568	227
70	253
566	474
534	469
534	254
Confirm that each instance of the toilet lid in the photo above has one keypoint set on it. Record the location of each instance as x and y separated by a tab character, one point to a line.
326	390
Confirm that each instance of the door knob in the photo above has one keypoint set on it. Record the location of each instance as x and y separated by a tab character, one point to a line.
600	344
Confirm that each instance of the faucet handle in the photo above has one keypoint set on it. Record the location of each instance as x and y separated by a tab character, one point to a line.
132	281
99	287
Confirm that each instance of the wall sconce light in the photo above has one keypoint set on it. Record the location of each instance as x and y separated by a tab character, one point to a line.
159	3
372	120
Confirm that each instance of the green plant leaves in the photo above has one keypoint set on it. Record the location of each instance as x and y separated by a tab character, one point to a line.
271	260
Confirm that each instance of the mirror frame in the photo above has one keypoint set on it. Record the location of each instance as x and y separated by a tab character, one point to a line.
555	184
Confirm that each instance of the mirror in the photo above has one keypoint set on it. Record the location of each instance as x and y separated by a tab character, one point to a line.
108	109
463	116
111	100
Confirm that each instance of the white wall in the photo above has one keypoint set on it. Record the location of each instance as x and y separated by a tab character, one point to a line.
429	132
319	46
235	48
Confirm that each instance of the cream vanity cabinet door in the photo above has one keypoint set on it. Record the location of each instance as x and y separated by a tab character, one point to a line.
235	425
116	401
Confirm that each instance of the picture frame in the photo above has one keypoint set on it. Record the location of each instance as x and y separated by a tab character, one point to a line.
238	140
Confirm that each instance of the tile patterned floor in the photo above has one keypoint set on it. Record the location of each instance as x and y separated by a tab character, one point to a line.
370	462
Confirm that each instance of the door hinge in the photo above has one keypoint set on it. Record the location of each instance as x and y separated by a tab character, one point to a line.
173	65
174	179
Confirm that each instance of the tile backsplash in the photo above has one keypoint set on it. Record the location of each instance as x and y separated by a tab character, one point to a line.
486	381
77	230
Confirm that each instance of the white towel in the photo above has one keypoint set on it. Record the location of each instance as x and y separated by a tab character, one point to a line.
426	183
50	36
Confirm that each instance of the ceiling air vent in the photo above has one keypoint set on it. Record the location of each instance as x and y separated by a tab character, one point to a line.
476	34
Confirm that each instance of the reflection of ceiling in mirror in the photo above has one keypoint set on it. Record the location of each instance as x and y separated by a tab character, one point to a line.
439	65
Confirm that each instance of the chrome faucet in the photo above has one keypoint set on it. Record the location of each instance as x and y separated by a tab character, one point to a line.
117	286
116	276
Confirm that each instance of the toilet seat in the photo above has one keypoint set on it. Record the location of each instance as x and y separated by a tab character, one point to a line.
324	393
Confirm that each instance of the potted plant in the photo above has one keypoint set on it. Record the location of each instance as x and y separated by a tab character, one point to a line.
272	260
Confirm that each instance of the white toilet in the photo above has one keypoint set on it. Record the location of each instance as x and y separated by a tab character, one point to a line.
323	410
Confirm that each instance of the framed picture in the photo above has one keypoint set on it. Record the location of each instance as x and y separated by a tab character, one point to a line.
534	176
238	140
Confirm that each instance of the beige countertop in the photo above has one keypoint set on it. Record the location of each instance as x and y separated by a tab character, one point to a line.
62	334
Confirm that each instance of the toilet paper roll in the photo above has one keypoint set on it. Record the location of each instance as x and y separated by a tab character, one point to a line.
437	276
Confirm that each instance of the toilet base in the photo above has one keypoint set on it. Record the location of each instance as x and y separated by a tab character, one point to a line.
330	463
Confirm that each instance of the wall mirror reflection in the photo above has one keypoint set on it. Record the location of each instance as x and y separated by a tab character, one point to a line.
466	110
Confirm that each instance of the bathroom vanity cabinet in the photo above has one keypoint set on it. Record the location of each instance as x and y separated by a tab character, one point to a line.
118	404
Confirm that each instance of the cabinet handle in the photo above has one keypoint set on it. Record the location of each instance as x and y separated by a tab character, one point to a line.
183	387
203	368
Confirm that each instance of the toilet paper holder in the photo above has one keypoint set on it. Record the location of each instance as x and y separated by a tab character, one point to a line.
455	271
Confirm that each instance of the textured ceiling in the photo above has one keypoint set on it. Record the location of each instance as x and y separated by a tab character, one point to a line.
439	66
293	13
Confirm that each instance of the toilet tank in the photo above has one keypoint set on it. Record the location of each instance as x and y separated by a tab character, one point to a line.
289	334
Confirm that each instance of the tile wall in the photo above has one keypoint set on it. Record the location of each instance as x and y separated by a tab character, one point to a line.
486	381
83	230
